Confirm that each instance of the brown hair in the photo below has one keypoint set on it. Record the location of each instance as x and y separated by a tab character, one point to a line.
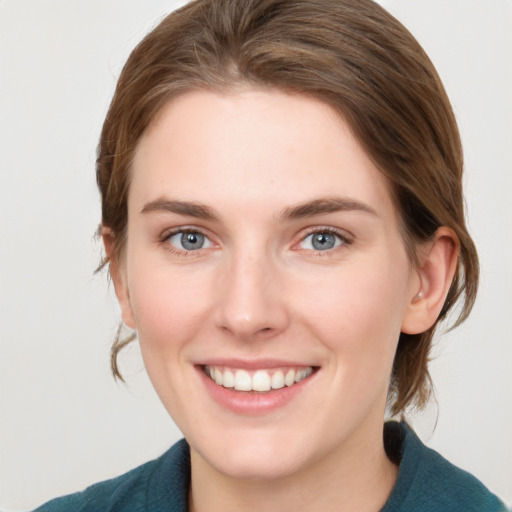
352	55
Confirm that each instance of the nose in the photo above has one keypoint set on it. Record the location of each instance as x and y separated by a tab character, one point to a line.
251	304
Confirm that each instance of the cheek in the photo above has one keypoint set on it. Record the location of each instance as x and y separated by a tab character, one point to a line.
167	305
357	311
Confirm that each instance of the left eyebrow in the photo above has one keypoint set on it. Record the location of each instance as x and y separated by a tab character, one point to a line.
187	208
325	205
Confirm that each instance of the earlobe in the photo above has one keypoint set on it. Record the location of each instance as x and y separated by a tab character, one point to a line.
437	266
118	276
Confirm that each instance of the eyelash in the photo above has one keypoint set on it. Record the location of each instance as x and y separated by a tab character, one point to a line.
164	240
342	236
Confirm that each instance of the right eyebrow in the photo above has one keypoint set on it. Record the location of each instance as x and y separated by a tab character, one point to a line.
325	205
197	210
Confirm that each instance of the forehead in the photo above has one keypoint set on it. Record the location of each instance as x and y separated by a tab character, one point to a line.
253	143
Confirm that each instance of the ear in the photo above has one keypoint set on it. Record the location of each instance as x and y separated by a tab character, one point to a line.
118	275
438	260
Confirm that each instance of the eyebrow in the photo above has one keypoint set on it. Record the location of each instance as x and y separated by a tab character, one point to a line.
312	208
188	208
323	206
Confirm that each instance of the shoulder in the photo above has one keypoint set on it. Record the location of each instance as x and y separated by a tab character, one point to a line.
110	495
154	486
427	482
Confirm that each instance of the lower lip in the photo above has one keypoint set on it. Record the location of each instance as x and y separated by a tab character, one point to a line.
253	403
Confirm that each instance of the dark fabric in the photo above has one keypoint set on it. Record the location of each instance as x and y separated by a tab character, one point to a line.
157	486
426	483
429	483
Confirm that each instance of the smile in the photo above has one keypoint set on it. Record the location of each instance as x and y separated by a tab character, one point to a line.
262	380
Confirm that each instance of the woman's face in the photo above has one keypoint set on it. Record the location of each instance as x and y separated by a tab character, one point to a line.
267	278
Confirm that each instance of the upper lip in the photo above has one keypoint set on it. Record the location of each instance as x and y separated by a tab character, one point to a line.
253	364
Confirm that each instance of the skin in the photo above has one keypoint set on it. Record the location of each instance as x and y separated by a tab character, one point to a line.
259	289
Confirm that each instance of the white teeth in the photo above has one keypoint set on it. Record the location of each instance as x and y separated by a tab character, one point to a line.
277	380
303	373
290	377
261	380
228	380
243	381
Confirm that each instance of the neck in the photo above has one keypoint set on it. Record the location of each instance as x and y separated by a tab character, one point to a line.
358	477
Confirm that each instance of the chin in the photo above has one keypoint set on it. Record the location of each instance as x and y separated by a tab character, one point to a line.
256	463
257	455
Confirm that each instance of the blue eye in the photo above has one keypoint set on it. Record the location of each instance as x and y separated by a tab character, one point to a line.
321	241
189	241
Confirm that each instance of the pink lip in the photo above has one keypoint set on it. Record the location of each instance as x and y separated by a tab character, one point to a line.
251	403
266	364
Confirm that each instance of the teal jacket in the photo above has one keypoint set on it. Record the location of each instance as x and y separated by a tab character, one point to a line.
426	483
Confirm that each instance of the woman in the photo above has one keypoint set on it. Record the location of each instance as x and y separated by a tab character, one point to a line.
282	216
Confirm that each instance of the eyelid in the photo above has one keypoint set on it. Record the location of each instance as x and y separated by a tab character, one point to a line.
345	237
180	235
167	234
